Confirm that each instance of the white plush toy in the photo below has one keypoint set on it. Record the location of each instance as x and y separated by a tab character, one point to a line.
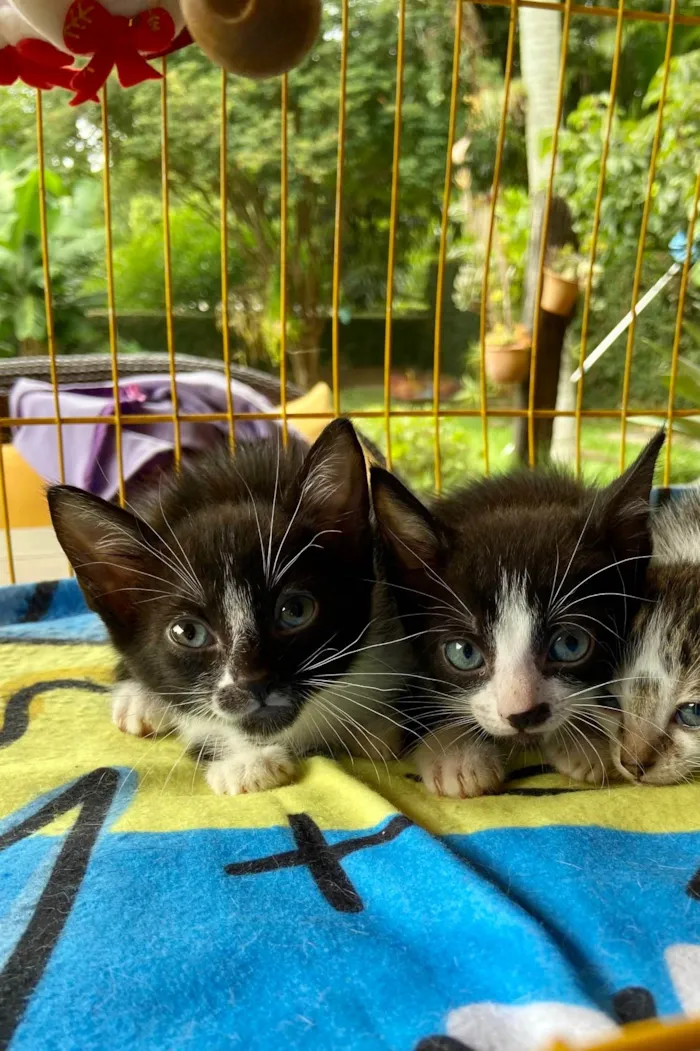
112	33
25	56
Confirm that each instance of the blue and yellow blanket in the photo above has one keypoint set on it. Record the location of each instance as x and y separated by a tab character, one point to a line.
348	911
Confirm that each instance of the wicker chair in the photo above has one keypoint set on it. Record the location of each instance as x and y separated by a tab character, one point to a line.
97	368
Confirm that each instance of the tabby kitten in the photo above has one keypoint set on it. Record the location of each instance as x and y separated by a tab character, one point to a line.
241	600
659	690
518	592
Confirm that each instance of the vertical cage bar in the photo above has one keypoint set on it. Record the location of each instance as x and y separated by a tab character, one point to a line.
283	254
440	284
624	410
498	163
679	328
393	220
6	519
585	321
223	186
338	222
566	28
48	290
111	302
167	258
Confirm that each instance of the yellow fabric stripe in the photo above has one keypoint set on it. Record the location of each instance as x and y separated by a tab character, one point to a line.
70	733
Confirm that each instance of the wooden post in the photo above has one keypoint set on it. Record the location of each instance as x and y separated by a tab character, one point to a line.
551	328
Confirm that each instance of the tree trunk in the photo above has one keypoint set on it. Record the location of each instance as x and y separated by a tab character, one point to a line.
551	329
563	448
540	54
540	58
305	358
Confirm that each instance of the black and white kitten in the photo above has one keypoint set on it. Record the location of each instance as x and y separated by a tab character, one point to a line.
659	689
519	592
241	600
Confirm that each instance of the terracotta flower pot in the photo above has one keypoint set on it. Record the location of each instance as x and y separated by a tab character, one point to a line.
559	294
508	362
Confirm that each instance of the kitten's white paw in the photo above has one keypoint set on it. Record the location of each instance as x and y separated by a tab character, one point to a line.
461	775
581	762
135	712
253	771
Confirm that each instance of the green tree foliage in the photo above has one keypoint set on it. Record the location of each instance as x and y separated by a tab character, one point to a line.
254	162
580	147
70	219
74	157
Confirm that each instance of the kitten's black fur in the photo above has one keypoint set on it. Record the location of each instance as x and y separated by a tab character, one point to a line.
523	556
226	543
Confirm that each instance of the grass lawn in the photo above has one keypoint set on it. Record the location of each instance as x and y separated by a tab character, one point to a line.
462	454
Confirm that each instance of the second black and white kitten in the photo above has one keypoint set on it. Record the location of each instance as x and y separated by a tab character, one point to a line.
241	600
518	592
659	688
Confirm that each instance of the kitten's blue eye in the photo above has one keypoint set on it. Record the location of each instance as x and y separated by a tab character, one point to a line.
190	633
688	715
567	647
295	611
463	655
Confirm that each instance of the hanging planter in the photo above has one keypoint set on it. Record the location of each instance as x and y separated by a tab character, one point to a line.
508	354
559	294
563	276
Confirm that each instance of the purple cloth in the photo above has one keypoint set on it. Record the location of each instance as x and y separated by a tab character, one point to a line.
90	453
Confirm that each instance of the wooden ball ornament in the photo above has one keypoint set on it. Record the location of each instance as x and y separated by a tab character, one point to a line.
254	38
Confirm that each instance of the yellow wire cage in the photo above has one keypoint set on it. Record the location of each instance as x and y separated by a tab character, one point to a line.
436	414
685	1035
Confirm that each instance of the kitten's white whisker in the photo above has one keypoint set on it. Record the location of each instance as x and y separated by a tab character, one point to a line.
268	561
198	760
174	566
554	581
603	569
371	646
342	714
172	768
575	551
119	565
312	543
589	616
329	748
423	594
286	534
641	718
328	705
602	594
332	688
189	568
434	576
254	509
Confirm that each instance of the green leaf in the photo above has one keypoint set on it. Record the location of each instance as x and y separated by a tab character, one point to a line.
29	319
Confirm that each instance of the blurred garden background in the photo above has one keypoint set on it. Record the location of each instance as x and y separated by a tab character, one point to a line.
75	159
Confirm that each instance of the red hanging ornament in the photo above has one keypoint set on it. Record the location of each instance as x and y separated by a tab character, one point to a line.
114	40
24	56
37	64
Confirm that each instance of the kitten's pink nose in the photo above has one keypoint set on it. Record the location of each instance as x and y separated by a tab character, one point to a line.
518	699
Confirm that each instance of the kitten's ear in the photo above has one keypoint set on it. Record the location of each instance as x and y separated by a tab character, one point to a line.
112	552
624	511
333	480
408	529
